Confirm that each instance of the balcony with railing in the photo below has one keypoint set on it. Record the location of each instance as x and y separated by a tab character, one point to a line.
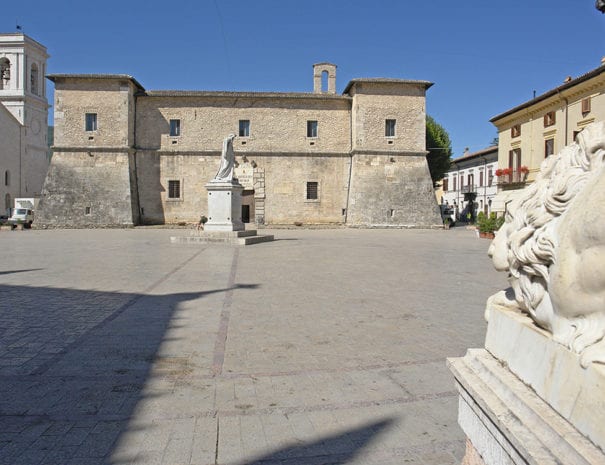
509	178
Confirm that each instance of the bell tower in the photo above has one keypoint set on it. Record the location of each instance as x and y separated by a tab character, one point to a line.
23	94
324	78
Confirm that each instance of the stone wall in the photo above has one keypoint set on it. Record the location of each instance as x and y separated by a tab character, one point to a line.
192	170
277	124
88	189
392	191
286	179
279	184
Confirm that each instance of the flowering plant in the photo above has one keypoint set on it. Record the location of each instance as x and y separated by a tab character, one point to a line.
524	169
498	172
507	171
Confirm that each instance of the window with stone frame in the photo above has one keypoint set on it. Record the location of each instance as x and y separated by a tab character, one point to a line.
311	128
174	189
244	128
549	147
585	106
515	131
90	122
312	190
175	127
389	127
549	119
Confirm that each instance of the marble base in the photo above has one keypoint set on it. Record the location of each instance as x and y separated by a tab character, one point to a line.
224	206
507	423
248	237
551	370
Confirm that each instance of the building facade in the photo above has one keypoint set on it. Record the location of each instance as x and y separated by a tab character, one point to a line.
23	118
471	177
124	155
540	127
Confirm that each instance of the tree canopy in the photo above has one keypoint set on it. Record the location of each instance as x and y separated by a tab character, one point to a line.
439	146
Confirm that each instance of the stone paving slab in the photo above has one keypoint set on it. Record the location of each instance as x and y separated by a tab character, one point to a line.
322	347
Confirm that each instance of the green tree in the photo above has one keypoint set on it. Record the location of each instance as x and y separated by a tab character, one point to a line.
439	146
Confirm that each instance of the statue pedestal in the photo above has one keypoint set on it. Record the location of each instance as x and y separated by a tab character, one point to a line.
525	399
224	206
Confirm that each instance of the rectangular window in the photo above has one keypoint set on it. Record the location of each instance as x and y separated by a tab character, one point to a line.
514	163
174	189
515	131
244	128
445	186
454	182
389	128
480	178
490	177
585	106
91	122
311	128
312	190
175	127
549	119
549	147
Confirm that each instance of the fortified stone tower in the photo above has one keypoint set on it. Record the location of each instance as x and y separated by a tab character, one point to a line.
390	181
23	94
91	181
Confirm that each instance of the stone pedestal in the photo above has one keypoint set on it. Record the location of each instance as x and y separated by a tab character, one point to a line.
224	206
525	399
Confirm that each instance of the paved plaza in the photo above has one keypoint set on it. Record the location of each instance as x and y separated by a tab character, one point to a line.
323	347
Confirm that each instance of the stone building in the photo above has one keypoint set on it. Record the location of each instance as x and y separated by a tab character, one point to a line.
124	155
23	118
530	132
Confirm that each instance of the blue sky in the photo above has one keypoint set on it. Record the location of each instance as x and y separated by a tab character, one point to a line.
484	57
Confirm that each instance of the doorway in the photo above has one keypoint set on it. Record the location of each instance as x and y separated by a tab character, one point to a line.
248	206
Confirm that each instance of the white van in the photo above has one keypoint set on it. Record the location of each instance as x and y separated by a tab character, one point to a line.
23	213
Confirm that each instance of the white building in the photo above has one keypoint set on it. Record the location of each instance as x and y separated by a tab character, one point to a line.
23	118
471	176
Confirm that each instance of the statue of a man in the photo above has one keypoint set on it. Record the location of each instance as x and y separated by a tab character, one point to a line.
225	171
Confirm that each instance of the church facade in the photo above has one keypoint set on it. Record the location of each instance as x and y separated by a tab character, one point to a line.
124	155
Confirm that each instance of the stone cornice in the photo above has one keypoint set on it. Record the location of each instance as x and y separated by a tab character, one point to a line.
398	153
251	155
74	149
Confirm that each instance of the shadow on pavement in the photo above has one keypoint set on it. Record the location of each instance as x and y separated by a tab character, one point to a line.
333	450
73	367
19	271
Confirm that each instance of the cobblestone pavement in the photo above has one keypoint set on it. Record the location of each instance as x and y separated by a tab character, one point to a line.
323	347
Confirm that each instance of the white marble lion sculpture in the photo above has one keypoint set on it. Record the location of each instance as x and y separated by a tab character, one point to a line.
552	244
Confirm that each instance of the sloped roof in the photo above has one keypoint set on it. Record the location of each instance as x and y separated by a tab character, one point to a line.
550	93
